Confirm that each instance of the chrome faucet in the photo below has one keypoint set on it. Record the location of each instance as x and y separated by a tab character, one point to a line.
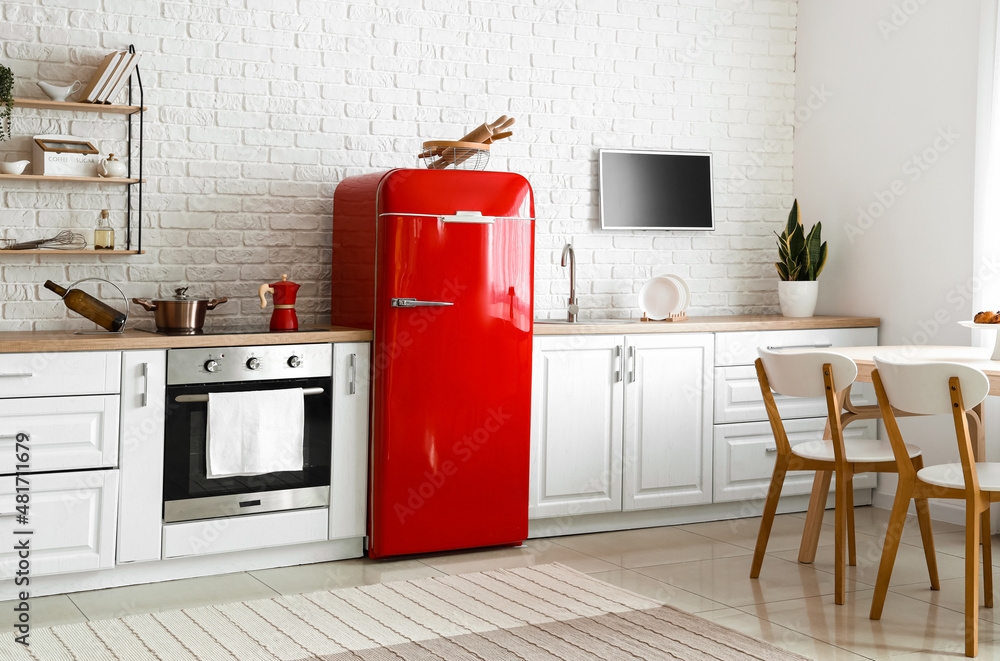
573	308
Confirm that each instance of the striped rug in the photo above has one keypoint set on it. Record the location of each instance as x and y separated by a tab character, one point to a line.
546	612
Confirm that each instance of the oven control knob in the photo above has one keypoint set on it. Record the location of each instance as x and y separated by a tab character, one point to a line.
212	366
295	361
253	364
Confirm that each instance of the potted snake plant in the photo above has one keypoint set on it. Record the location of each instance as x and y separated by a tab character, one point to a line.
801	258
6	101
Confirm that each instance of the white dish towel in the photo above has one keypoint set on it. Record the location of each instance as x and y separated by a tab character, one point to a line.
254	432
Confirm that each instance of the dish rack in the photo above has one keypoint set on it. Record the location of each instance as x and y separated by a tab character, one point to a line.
454	154
675	316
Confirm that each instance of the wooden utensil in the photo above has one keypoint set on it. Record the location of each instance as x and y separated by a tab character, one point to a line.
484	134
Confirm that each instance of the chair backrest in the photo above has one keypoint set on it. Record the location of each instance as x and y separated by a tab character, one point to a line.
800	373
927	389
922	388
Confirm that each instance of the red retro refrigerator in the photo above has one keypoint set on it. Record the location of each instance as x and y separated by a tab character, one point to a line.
440	264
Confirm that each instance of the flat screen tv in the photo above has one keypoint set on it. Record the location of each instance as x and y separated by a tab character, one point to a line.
656	190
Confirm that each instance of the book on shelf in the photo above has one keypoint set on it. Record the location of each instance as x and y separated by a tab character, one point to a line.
116	86
102	95
100	77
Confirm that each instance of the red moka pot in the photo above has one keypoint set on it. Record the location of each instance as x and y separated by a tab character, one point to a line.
283	318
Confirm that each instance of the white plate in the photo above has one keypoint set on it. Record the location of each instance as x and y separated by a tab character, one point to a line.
663	296
972	324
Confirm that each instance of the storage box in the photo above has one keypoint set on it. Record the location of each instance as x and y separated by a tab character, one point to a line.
64	155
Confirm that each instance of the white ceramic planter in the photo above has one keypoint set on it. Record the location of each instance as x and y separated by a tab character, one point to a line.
798	298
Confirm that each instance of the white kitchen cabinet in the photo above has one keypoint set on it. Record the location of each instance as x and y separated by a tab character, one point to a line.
58	374
576	425
745	452
349	462
668	420
72	517
740	348
143	405
738	398
66	433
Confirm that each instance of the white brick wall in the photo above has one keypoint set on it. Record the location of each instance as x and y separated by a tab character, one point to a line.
259	108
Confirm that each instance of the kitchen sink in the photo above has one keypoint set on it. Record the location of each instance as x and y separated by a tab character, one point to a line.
584	322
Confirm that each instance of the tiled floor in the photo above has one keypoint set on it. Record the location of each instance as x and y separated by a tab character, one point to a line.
701	568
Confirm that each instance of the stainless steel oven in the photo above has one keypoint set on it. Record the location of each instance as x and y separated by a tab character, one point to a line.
188	492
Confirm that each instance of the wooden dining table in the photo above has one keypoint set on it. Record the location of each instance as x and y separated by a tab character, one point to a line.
977	357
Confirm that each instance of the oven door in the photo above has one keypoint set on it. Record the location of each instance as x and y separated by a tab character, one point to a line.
189	494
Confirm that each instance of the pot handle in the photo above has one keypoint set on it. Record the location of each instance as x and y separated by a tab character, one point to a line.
263	290
215	302
145	302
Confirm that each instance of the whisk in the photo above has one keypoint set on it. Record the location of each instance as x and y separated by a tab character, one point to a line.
65	240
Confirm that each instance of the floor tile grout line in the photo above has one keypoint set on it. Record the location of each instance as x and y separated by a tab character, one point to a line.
277	593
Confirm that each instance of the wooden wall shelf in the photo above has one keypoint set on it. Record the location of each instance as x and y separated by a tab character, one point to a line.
40	104
89	251
58	177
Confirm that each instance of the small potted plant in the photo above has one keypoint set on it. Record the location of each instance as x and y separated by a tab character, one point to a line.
801	259
6	101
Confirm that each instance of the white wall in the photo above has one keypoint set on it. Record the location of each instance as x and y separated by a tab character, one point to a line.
259	108
899	83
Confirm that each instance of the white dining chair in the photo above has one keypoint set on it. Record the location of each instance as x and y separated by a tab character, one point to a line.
939	388
826	374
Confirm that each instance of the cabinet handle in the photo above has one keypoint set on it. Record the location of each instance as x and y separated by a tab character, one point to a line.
802	346
352	388
144	397
618	363
771	449
15	374
631	364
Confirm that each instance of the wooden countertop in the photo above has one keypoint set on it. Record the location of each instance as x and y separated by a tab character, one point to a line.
718	324
44	341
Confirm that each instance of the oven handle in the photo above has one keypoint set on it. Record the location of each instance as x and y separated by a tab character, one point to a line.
185	399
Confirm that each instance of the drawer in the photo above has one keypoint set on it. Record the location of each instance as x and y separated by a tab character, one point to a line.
64	373
741	348
73	516
65	433
738	398
743	464
242	533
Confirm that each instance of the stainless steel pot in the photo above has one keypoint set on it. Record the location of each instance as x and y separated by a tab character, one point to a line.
179	314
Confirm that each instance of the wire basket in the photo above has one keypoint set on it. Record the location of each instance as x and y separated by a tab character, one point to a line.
444	154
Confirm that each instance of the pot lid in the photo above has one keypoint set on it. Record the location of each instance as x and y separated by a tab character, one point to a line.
180	294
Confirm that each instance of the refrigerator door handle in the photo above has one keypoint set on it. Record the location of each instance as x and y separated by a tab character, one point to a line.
414	303
468	217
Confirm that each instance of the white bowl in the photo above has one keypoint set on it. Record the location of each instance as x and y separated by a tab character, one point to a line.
14	167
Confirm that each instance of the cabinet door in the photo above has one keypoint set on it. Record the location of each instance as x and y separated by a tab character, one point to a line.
668	420
349	460
67	433
745	452
72	518
738	399
576	425
140	519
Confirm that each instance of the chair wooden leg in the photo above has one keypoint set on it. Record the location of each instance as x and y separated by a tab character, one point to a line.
927	538
972	519
893	533
852	549
767	519
840	530
984	534
814	517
